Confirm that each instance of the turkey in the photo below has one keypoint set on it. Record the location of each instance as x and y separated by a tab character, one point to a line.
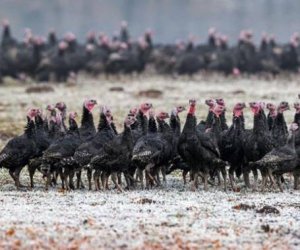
87	129
280	160
297	114
271	115
114	157
215	133
153	150
90	148
203	125
231	142
19	150
279	128
47	131
257	142
60	150
197	148
221	102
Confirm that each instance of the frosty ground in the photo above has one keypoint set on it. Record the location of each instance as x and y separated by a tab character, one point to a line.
170	216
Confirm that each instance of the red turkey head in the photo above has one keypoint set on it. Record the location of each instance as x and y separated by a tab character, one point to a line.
69	37
236	71
61	106
255	107
133	111
145	107
32	112
180	109
90	104
238	109
218	110
62	45
5	23
271	107
297	107
124	24
192	102
210	103
220	101
162	115
283	106
192	109
262	105
50	107
73	115
129	120
39	113
107	112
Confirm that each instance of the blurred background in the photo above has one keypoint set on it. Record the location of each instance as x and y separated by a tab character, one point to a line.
170	19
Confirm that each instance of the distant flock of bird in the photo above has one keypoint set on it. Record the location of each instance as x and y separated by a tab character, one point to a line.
150	147
58	60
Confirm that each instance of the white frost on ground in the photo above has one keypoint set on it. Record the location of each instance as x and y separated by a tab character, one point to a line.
170	217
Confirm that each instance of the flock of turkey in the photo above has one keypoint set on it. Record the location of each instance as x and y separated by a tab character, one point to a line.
58	59
149	147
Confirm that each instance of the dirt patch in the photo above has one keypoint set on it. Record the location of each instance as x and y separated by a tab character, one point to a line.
268	210
238	92
243	206
151	93
145	201
116	89
39	89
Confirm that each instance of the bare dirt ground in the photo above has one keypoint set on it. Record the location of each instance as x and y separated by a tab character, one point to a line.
167	217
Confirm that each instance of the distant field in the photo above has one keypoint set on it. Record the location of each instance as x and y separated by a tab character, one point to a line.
171	216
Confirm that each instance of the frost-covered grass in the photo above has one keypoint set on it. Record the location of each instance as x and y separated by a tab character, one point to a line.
169	217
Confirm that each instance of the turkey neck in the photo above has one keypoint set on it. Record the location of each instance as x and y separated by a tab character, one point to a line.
190	124
6	32
163	127
279	121
209	119
39	123
143	122
175	124
127	137
36	53
260	125
238	123
30	129
102	122
216	126
73	127
152	128
113	128
223	121
87	120
52	39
